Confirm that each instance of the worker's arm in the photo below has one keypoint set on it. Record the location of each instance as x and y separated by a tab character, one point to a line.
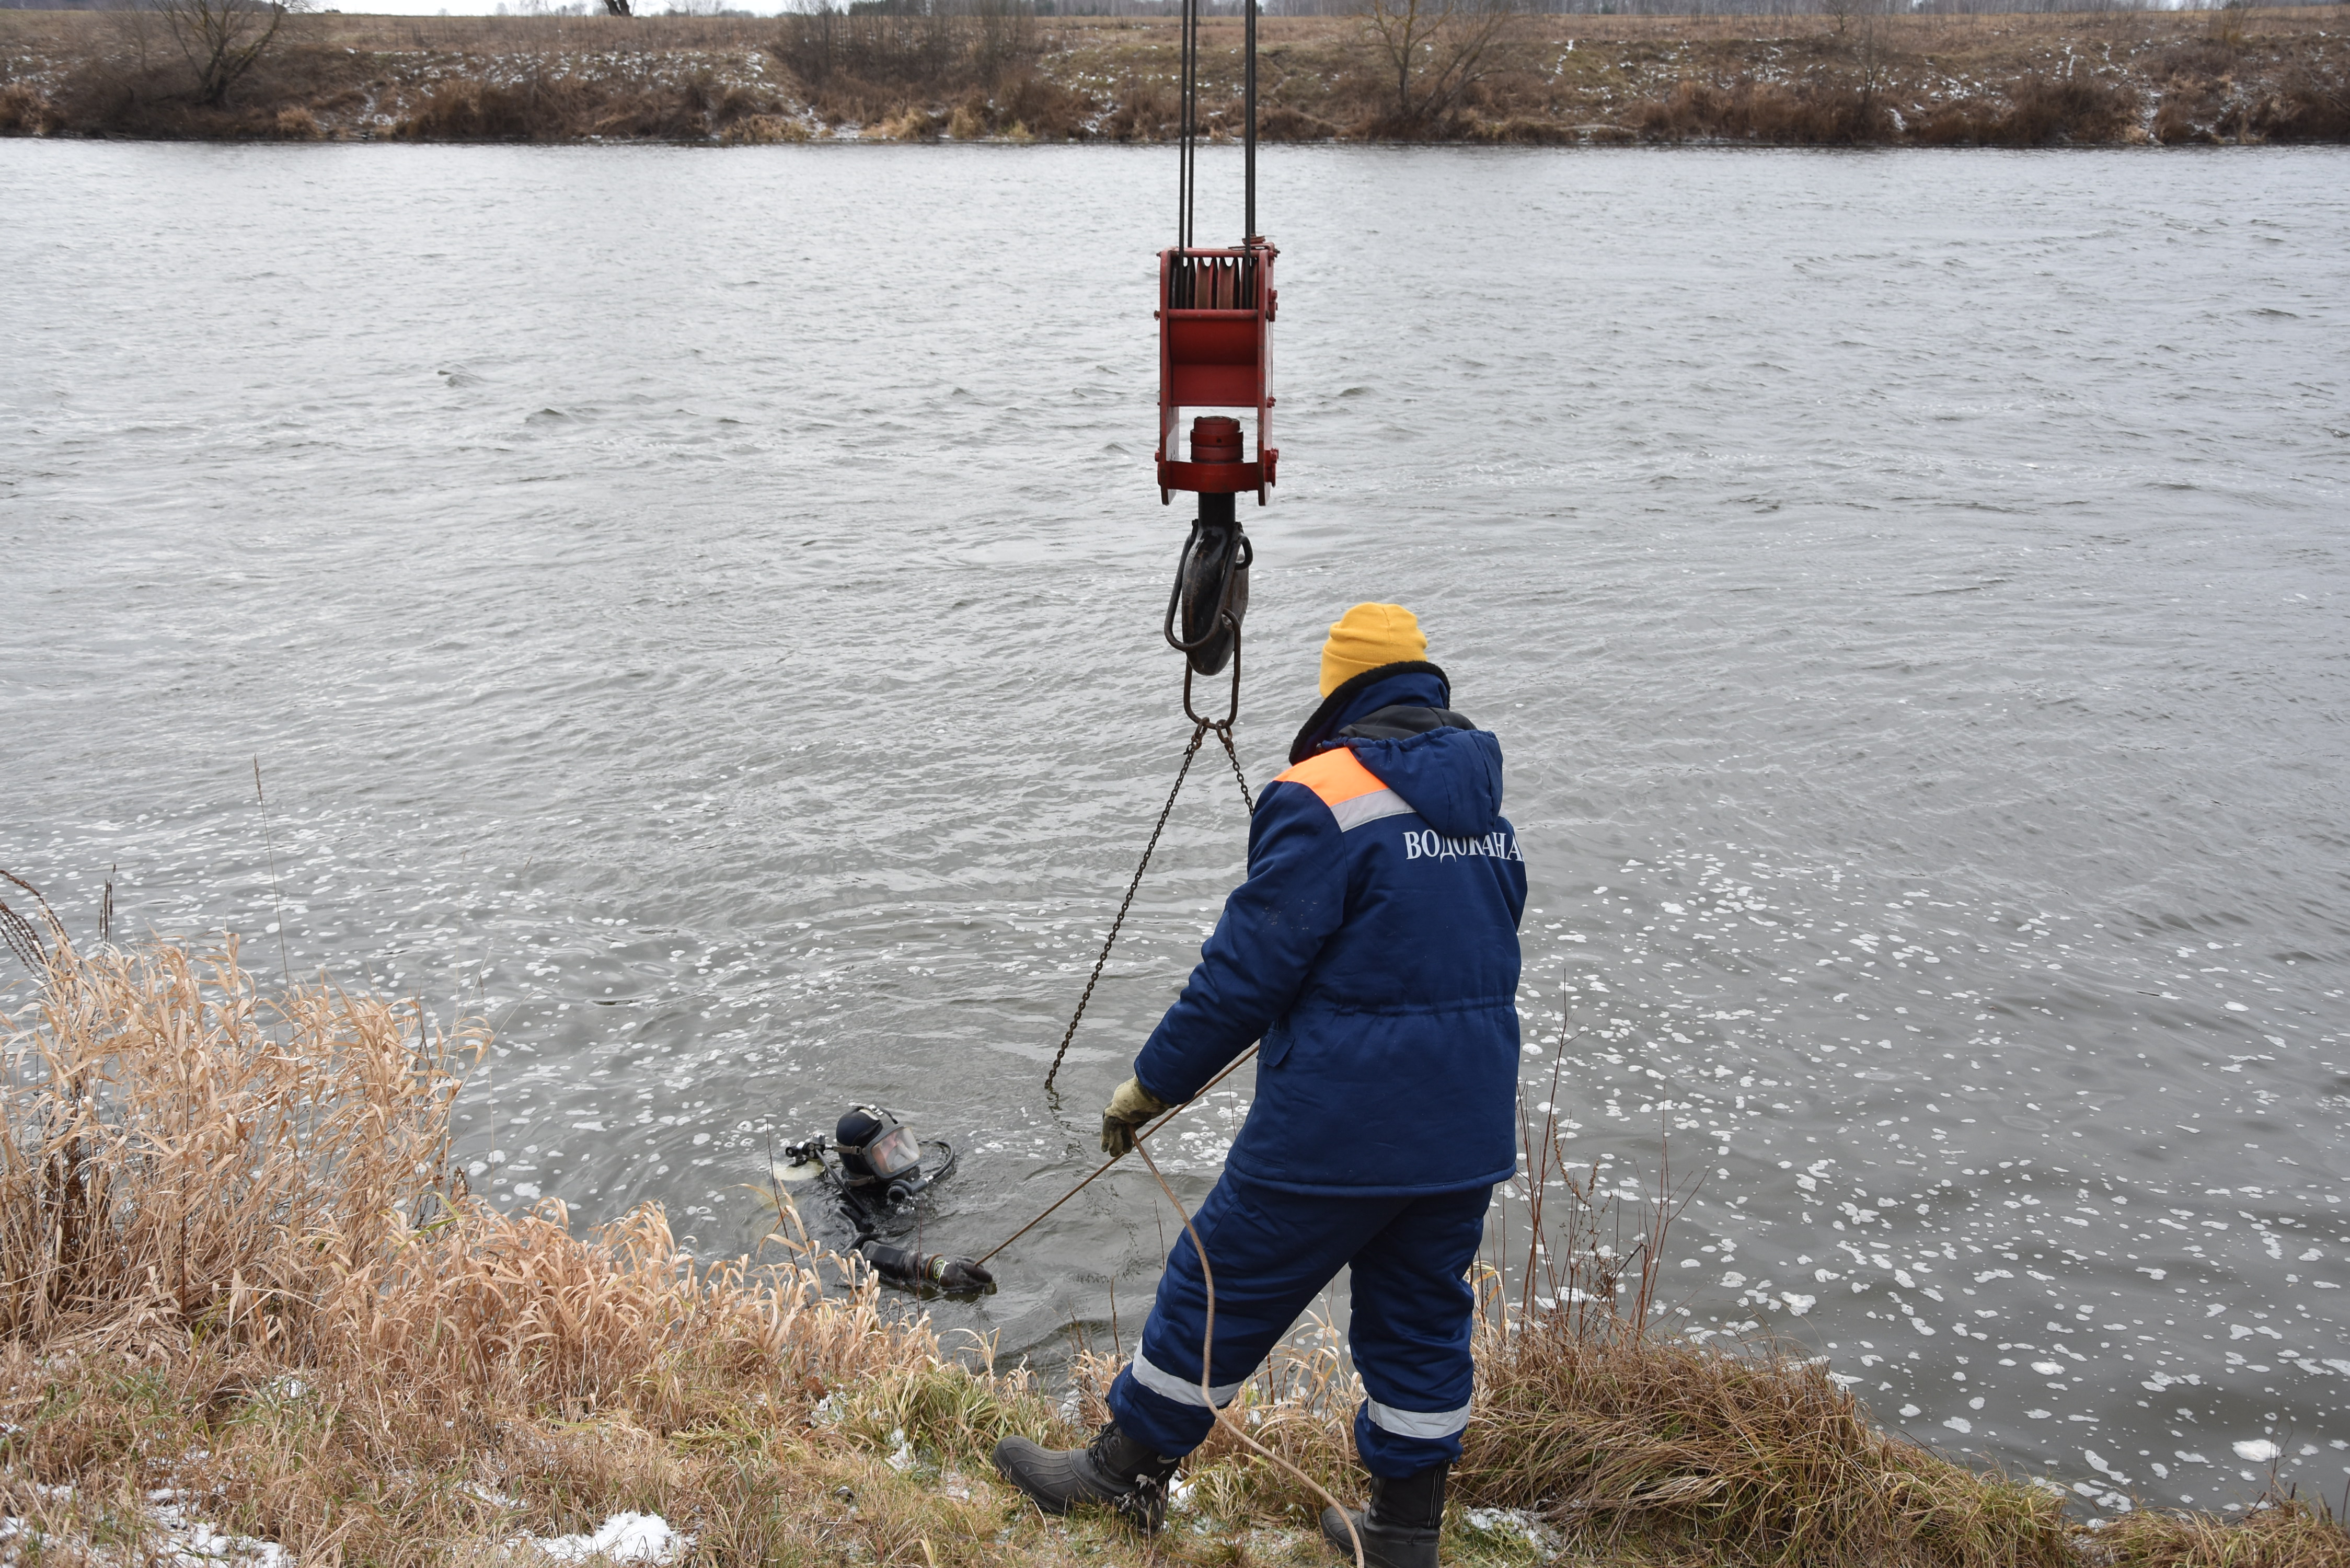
1253	966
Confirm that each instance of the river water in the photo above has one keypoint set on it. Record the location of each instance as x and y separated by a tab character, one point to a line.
701	608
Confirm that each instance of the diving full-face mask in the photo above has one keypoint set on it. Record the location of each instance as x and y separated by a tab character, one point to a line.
875	1151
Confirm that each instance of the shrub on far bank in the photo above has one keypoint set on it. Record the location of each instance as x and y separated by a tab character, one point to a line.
26	109
131	89
2077	107
764	131
543	105
2307	104
1764	112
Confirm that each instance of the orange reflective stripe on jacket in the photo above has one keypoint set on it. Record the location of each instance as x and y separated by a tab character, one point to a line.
1352	792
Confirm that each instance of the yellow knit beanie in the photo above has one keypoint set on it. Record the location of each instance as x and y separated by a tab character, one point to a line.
1367	636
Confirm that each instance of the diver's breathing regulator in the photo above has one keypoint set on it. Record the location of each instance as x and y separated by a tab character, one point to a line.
880	1168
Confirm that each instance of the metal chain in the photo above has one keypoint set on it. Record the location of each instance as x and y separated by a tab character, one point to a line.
1224	734
1199	733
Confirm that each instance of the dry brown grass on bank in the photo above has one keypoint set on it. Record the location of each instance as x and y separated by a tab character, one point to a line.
2280	1532
1755	1455
236	1264
2019	80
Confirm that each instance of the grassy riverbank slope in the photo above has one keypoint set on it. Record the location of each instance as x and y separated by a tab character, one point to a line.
2109	78
246	1304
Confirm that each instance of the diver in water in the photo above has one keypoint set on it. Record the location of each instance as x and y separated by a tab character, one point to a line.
880	1177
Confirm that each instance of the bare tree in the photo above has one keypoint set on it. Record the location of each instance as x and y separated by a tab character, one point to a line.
223	39
135	37
1438	49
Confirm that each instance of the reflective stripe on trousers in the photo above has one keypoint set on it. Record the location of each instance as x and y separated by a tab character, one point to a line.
1166	1386
1411	1423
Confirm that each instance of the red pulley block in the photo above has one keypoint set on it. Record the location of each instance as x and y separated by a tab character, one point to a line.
1215	351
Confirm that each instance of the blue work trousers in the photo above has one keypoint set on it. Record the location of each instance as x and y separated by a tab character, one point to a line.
1272	1252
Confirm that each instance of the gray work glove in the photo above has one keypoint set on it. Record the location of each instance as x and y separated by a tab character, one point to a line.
1127	1109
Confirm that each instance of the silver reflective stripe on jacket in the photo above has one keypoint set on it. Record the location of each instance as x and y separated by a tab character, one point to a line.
1409	1423
1353	814
1166	1386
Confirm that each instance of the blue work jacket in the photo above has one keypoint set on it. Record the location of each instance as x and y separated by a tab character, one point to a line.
1374	951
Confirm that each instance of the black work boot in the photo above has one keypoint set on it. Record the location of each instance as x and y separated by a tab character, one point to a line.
1400	1528
1112	1471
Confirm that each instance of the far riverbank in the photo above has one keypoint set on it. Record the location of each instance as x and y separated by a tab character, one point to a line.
2234	76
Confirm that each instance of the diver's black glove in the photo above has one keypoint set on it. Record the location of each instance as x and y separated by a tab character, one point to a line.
957	1273
904	1267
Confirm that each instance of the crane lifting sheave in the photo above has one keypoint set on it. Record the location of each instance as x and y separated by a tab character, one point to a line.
1215	351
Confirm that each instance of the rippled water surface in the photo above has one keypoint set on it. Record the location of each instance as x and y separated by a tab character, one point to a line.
701	608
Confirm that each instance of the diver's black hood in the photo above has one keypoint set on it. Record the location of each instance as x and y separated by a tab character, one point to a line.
855	1130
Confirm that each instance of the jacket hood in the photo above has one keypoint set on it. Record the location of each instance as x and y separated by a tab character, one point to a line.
1413	682
1451	777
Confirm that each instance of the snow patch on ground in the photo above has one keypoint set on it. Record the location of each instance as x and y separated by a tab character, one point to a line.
623	1538
177	1541
1516	1521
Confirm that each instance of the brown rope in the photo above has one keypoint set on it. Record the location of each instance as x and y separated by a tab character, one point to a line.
1233	1067
1208	1343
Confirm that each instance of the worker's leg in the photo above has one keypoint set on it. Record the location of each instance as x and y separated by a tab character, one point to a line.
1271	1252
1412	1310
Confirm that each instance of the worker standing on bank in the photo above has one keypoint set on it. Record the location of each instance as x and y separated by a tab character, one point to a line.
1374	951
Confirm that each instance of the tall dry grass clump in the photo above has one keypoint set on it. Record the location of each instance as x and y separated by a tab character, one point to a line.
181	1158
238	1262
1752	1452
177	1156
2282	1532
25	108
